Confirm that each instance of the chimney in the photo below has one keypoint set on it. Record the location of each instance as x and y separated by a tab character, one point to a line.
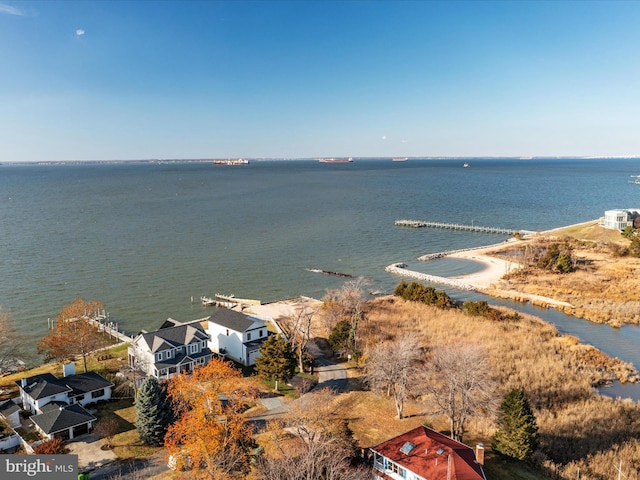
480	453
68	369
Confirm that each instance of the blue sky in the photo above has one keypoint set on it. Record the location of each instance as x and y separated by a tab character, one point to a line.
119	79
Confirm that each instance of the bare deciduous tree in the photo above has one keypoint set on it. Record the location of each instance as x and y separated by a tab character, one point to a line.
347	303
393	367
460	384
298	331
107	428
309	443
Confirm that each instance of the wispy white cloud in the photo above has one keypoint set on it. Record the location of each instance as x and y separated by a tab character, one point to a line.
79	32
10	10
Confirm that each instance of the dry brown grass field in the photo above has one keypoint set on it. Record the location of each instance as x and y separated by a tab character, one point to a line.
579	428
602	289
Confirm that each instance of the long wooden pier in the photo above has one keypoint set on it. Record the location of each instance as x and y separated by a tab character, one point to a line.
459	226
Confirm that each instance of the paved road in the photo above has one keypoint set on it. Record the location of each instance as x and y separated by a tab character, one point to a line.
330	374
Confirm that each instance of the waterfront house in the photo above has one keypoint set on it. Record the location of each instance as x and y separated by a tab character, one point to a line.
621	219
424	454
83	389
57	404
175	347
236	336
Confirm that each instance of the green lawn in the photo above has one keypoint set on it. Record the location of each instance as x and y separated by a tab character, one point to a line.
126	443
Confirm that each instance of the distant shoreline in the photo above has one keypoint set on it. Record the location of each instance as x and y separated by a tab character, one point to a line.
315	158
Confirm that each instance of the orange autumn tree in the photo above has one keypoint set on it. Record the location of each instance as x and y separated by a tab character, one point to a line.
211	435
73	334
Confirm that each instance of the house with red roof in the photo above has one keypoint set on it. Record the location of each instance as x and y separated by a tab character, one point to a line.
424	454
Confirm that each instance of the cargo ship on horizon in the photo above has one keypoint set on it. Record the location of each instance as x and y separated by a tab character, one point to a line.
335	160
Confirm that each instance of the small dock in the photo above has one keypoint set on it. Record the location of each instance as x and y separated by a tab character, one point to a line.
227	301
459	226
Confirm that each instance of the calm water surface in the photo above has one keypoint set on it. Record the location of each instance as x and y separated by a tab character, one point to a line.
146	238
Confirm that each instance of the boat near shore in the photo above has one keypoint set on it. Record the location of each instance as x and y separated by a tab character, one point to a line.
399	159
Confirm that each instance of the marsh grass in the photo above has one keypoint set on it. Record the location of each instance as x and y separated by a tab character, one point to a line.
603	288
578	427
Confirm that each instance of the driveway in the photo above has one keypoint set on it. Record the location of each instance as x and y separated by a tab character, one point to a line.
330	374
90	454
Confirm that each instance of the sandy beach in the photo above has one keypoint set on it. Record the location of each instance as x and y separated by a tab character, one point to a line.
494	268
487	280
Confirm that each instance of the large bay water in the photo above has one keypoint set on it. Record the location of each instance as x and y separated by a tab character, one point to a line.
145	238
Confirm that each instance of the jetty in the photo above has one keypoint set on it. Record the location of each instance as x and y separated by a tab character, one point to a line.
460	226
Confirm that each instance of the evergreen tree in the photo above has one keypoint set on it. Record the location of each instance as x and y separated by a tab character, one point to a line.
154	412
340	338
517	435
277	360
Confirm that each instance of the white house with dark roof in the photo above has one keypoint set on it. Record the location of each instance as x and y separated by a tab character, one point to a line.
174	348
236	335
84	388
10	411
57	404
178	347
61	420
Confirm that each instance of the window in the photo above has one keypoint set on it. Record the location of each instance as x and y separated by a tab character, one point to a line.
248	336
97	393
261	333
158	356
395	468
227	332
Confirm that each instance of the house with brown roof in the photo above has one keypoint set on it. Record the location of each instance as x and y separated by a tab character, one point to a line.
424	454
